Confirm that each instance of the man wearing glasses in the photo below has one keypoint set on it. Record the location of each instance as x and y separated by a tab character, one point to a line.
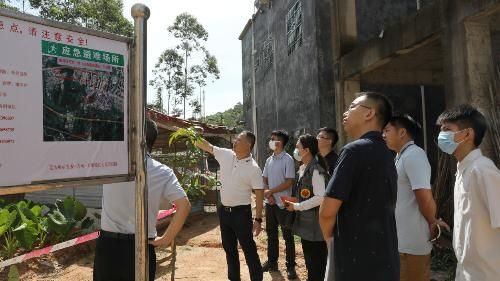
359	204
327	139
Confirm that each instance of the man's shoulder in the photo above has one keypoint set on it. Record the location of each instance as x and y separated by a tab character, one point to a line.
156	166
484	164
415	151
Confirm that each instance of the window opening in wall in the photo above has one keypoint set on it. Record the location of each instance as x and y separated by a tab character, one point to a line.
264	58
294	27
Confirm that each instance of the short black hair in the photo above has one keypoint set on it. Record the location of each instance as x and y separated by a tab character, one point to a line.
382	105
405	121
282	135
151	133
250	138
332	133
466	116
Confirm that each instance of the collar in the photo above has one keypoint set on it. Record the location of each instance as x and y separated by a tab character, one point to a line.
245	160
371	134
405	147
330	154
279	156
469	159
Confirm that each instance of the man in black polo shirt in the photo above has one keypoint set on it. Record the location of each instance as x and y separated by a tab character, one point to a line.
327	139
358	209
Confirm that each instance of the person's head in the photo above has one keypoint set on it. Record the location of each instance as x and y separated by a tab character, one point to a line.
151	133
279	139
369	111
244	142
327	138
462	127
400	130
306	148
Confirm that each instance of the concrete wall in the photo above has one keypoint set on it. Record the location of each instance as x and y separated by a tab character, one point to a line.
295	92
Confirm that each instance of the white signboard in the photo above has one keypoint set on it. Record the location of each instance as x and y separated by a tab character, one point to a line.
63	104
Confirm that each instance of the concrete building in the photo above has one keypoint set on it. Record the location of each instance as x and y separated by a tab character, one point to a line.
425	55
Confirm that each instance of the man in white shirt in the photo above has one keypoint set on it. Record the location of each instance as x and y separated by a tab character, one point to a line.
476	231
115	251
416	222
240	176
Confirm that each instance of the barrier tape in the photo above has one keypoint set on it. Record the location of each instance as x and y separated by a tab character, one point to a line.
79	240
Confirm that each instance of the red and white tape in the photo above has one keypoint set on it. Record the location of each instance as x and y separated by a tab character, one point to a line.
79	240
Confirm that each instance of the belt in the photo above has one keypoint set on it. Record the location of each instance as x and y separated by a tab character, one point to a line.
234	208
116	235
119	236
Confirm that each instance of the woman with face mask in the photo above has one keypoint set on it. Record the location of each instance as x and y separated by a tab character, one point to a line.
308	192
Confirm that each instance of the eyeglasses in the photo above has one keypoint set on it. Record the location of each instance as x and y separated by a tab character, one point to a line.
323	137
353	106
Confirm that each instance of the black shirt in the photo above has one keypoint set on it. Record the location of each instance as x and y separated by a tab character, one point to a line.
331	159
365	237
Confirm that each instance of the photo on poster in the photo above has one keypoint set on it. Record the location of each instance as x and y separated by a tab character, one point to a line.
83	94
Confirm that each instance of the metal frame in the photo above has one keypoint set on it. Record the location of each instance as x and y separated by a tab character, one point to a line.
76	182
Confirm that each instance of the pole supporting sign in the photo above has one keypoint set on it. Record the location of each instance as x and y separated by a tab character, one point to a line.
64	105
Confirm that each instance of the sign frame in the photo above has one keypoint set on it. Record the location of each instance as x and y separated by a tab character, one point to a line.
83	181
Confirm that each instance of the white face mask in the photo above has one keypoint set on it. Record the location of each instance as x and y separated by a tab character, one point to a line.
296	155
272	145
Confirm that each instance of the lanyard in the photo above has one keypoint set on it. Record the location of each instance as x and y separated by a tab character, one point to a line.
401	153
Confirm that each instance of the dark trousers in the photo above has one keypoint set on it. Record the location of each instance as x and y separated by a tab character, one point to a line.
274	218
115	258
236	226
315	254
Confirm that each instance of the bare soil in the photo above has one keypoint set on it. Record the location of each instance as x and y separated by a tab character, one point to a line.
199	257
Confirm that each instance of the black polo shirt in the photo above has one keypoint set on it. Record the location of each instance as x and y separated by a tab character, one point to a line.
331	160
365	237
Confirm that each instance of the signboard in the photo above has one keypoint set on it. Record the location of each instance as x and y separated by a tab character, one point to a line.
63	103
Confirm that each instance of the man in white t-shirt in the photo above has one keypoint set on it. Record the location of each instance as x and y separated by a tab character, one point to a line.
476	230
239	175
115	250
415	213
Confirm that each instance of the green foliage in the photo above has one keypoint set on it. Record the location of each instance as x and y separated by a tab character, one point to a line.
230	118
104	15
186	66
26	225
194	183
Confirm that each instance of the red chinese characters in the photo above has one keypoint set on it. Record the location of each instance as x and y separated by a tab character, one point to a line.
1	25
7	106
15	28
58	36
32	31
45	34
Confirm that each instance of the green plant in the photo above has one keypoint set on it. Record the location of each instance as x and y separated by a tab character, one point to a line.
25	225
195	183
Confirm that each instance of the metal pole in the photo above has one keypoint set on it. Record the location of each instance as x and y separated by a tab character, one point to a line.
140	13
254	103
424	116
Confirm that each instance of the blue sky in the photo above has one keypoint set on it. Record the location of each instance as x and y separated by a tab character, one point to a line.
224	20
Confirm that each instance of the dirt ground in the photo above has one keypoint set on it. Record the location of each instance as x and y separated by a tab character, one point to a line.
199	257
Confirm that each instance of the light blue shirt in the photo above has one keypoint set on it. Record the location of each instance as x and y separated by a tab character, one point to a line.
277	170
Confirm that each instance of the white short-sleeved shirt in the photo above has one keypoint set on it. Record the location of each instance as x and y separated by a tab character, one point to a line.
277	170
414	172
476	231
238	177
118	199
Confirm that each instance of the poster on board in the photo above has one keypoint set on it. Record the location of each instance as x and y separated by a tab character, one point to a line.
63	104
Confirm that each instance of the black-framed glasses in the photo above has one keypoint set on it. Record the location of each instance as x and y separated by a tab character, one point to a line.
353	106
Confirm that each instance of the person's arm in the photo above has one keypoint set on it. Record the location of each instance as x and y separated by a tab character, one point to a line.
318	182
418	171
267	193
282	187
205	146
259	199
328	211
182	212
338	190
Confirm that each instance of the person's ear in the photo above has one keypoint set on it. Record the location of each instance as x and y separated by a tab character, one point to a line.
370	114
402	132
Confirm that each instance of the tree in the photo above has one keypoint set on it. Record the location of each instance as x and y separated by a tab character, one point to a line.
192	34
229	118
103	15
168	75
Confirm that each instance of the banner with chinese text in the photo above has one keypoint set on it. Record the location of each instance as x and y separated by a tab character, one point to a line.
63	104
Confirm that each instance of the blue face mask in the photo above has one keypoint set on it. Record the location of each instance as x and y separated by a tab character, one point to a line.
446	142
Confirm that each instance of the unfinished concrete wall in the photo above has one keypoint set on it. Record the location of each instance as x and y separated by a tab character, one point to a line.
294	91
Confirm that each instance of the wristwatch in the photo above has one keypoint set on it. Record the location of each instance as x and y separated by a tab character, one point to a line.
259	220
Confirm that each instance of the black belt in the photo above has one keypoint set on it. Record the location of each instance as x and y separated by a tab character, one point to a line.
119	236
234	208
